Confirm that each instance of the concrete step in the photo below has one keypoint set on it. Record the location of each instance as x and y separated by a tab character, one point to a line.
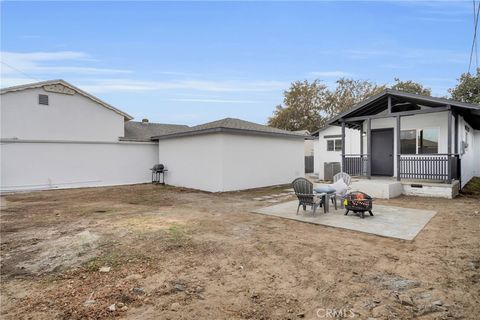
381	189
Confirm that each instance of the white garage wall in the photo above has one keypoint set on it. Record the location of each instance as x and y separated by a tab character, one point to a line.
193	162
30	166
226	162
67	117
259	161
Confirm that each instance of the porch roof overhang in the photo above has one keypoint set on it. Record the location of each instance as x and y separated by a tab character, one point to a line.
375	106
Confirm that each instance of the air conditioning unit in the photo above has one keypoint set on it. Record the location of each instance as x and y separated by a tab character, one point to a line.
330	169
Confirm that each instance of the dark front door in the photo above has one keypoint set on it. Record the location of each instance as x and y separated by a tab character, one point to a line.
382	152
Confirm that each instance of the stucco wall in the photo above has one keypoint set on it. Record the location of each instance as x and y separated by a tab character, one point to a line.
470	155
193	162
226	162
67	117
257	161
30	166
352	146
421	121
477	152
309	148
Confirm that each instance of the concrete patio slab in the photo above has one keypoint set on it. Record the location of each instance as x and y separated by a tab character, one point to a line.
393	222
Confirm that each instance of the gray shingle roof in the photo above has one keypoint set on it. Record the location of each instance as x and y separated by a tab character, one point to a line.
144	131
231	125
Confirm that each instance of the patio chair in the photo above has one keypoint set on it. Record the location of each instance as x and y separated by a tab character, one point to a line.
339	195
304	192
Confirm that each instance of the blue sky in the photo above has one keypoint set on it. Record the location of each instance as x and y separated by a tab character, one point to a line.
190	63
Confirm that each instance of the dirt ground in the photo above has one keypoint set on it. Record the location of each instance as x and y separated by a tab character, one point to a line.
182	254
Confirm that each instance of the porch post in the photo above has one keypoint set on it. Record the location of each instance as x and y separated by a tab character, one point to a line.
361	139
343	146
449	145
369	147
398	148
455	143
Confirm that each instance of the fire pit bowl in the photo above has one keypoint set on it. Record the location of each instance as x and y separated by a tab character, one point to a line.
358	202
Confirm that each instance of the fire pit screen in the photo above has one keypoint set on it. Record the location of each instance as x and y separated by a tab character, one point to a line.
358	202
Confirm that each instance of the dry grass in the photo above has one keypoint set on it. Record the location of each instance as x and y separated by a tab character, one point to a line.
208	254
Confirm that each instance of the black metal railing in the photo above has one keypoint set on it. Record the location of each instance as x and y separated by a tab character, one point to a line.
356	164
443	167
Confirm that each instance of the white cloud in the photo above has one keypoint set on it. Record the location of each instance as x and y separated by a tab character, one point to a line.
15	81
212	100
112	85
331	74
68	64
416	55
40	63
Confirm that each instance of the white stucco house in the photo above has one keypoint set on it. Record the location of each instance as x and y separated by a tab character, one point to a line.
308	144
327	146
417	145
54	135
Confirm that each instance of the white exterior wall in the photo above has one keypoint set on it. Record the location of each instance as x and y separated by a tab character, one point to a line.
226	162
259	161
309	148
477	152
422	121
352	146
31	166
471	155
193	162
67	117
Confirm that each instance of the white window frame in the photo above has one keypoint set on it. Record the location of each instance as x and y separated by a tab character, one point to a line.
335	141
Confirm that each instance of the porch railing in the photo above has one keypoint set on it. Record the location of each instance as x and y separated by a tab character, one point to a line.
356	164
442	167
416	166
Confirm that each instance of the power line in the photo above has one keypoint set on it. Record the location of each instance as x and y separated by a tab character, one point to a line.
18	70
475	39
476	13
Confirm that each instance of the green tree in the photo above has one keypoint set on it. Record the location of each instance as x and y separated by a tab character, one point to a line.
467	88
347	93
411	87
303	102
309	105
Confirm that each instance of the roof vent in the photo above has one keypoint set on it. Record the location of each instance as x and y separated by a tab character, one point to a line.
43	99
145	120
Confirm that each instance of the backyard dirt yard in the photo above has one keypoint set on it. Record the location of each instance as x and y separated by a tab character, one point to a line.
153	252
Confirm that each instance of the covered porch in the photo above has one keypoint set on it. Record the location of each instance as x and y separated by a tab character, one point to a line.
408	138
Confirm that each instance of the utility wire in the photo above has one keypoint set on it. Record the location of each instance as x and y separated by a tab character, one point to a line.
475	23
18	70
474	42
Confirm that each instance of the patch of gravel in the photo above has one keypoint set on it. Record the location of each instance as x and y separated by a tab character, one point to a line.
395	283
65	251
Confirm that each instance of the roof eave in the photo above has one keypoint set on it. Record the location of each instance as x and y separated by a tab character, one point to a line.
65	83
227	130
440	101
